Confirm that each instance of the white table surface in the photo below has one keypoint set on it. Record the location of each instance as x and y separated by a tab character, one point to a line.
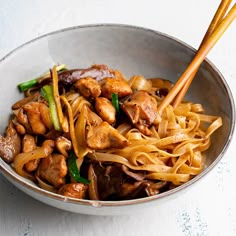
209	208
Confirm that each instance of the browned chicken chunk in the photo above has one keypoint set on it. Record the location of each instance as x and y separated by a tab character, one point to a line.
10	145
53	169
118	86
75	190
105	136
141	109
28	144
88	87
92	118
34	118
105	110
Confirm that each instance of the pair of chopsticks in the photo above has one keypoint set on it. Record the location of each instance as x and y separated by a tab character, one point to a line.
217	27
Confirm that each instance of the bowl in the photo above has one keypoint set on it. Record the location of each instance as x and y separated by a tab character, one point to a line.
132	50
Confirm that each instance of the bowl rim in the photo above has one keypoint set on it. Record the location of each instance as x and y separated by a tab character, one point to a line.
15	177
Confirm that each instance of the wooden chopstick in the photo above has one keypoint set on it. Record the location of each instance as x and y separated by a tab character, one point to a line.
219	15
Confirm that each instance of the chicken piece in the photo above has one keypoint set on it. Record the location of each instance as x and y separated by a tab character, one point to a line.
92	118
20	128
23	120
141	109
104	136
118	86
34	117
28	144
88	87
53	169
105	110
75	190
10	145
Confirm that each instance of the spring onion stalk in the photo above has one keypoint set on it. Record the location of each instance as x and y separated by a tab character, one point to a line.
31	83
115	102
47	94
73	169
27	84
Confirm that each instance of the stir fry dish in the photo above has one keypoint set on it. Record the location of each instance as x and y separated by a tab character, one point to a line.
93	134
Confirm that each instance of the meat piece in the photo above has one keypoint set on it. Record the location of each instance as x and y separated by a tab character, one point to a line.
118	86
105	110
92	118
20	129
23	120
105	136
69	77
28	144
88	87
75	190
53	169
34	117
109	181
10	145
141	109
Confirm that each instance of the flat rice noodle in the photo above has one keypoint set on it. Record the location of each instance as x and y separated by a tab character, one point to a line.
189	170
162	128
106	157
176	179
172	139
77	106
197	108
182	109
213	127
143	158
207	118
180	161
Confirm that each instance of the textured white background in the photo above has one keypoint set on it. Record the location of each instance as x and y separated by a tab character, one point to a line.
209	208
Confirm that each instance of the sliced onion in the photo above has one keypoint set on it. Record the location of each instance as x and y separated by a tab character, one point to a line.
140	83
45	186
93	186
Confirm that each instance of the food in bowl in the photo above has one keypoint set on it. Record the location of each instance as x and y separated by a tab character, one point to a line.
92	134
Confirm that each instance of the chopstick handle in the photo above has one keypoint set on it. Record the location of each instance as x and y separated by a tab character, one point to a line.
199	57
219	15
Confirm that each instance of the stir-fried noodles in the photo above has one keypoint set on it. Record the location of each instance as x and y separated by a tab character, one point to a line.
90	133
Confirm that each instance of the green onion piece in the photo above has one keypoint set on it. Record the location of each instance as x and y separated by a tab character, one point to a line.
28	84
47	94
115	102
73	169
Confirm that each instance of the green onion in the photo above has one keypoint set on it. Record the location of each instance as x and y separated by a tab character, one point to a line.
73	169
47	94
28	84
115	102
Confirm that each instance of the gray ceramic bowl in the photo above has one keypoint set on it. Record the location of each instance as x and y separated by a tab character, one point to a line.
132	50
